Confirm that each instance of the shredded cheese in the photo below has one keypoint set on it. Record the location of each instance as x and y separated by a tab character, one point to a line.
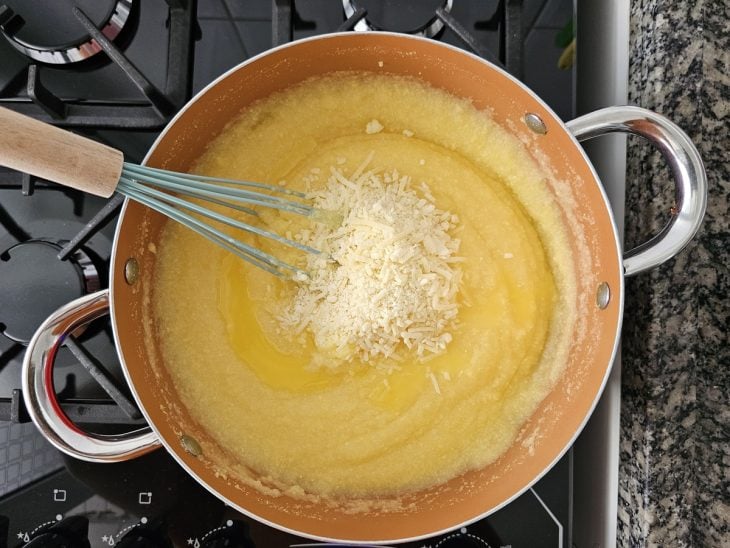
373	126
387	280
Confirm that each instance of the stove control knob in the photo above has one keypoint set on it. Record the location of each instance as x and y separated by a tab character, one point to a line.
463	541
234	534
152	534
68	533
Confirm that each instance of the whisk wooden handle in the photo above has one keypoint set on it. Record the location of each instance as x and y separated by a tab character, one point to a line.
58	155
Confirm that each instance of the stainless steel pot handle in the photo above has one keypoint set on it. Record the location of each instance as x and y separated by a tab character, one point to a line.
686	166
40	398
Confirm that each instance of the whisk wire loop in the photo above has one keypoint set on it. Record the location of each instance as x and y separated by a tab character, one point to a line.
224	203
162	190
233	182
174	200
245	251
174	182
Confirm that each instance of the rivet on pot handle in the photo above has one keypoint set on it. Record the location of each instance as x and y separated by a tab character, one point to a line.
686	166
40	398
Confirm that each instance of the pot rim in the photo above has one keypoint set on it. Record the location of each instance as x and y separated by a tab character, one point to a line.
608	367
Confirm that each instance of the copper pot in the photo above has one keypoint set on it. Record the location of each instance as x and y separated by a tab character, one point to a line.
562	414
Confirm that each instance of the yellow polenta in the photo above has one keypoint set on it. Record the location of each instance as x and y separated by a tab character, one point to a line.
363	431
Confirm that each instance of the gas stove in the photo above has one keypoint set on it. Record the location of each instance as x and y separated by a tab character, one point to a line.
117	70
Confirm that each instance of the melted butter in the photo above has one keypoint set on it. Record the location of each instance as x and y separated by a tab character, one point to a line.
280	366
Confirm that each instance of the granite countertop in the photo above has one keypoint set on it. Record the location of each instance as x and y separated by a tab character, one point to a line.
674	476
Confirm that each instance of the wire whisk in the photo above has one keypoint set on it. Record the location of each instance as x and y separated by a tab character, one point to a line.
71	160
151	187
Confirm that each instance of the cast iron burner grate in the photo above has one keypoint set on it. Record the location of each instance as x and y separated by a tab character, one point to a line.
92	30
431	17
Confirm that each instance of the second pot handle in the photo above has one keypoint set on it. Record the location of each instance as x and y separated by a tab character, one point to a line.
687	170
40	398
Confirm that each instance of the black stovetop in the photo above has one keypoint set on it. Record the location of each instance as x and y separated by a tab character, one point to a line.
41	490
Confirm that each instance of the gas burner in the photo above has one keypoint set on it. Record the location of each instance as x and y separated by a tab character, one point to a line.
412	17
36	282
50	31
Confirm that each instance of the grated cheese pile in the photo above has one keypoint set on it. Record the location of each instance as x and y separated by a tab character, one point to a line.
387	279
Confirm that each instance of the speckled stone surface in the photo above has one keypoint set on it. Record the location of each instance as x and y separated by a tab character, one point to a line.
675	449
